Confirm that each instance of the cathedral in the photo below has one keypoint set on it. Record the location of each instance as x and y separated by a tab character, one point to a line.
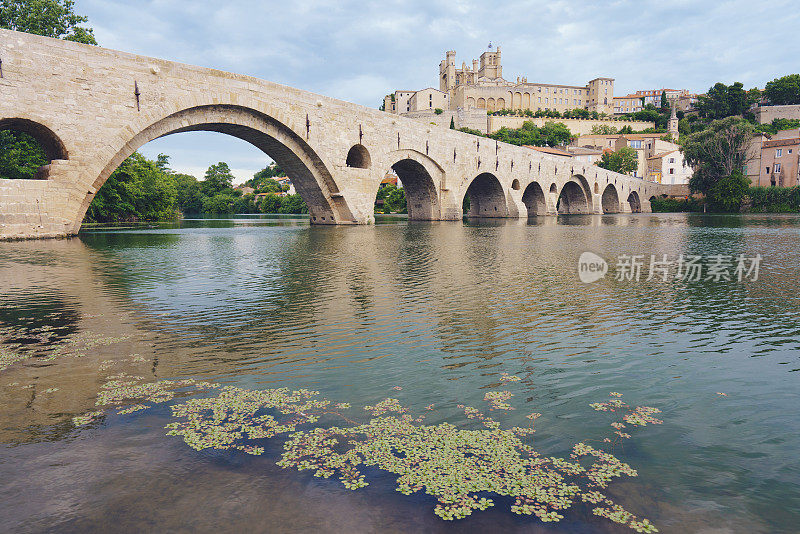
482	87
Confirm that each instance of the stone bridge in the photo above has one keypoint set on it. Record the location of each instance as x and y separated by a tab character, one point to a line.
91	108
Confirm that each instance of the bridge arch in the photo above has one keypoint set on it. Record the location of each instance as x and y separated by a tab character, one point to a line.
635	202
534	199
420	176
610	199
587	190
486	197
311	178
572	199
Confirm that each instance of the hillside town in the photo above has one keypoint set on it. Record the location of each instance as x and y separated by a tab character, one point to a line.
477	98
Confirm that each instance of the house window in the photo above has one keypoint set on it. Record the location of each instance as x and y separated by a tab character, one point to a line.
672	160
777	167
778	152
636	144
672	171
540	100
767	171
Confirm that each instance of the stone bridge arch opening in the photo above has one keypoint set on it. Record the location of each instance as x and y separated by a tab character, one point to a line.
635	202
572	199
485	197
610	199
311	179
31	147
416	188
534	199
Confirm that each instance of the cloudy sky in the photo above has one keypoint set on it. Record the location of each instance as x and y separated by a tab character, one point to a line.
359	51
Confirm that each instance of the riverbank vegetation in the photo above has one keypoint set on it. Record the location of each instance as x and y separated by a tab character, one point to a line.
145	190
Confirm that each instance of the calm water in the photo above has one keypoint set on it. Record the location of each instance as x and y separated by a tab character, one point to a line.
439	309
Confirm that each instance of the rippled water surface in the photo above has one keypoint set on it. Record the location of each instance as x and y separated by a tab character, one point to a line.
440	310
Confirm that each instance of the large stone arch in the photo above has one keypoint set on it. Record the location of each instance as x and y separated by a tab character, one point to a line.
587	190
610	199
572	199
635	202
487	197
311	178
534	199
421	177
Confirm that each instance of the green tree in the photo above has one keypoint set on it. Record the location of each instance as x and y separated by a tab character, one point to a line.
20	155
717	152
625	160
245	204
190	196
726	101
265	176
727	193
218	178
393	197
664	102
51	18
555	133
293	204
784	90
270	204
224	202
452	123
603	129
138	190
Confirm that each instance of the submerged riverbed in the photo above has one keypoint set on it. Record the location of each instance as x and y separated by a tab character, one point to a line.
442	317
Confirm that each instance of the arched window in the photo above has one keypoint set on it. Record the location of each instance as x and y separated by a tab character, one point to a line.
358	157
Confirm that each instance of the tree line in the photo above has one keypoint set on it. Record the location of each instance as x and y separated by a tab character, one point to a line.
145	190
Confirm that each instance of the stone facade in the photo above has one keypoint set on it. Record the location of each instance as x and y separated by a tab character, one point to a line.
92	107
482	86
767	114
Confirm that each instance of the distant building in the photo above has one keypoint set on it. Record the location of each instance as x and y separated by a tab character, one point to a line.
585	155
668	168
647	146
627	104
389	179
482	87
682	98
776	159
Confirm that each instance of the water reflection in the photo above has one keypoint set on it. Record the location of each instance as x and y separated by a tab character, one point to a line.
441	309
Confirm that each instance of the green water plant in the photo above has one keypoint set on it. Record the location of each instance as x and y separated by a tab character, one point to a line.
462	468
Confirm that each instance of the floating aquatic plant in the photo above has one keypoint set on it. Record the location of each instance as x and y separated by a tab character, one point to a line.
456	466
85	419
9	357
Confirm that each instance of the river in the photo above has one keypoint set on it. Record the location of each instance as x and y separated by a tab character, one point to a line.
435	315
